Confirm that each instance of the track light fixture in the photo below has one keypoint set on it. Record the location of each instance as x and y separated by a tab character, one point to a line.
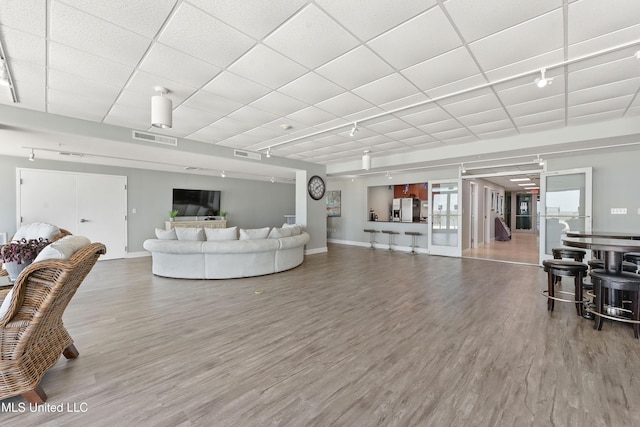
637	55
354	129
161	109
462	169
542	81
4	77
269	152
223	174
273	180
539	160
32	156
366	160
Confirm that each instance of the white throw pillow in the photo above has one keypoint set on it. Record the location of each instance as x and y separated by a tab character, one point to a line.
166	234
36	230
189	233
295	228
230	233
254	233
277	233
5	304
63	248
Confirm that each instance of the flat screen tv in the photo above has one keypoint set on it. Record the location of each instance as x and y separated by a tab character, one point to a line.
196	202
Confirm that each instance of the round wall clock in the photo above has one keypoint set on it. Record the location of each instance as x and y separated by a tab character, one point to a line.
316	187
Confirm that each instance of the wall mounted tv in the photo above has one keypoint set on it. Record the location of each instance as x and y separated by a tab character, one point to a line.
196	202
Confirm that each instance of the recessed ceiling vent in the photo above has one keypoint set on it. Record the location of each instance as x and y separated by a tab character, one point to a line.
158	139
247	154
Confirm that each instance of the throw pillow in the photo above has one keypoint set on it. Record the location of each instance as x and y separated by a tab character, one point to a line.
254	233
35	230
230	233
295	228
63	248
277	233
5	304
189	233
163	234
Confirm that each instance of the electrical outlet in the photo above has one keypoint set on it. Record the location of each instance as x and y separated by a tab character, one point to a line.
618	211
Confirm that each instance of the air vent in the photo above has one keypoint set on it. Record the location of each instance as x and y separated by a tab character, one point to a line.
247	154
158	139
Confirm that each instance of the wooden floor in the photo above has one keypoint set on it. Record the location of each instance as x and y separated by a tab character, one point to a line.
523	247
353	337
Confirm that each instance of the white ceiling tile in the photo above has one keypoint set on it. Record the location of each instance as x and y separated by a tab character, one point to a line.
598	93
94	106
262	133
363	114
144	17
143	83
595	117
82	31
417	40
537	106
387	126
405	134
390	145
267	67
487	116
344	104
231	125
529	65
22	46
463	85
477	19
74	61
432	113
132	100
27	15
25	75
610	72
311	116
255	18
355	68
240	141
127	116
217	105
189	120
369	18
546	116
451	134
471	105
211	134
604	42
528	91
541	127
457	140
419	140
405	103
252	116
311	38
612	104
279	103
30	96
375	140
201	35
75	110
516	44
236	88
82	86
386	89
443	69
491	127
440	126
311	88
177	66
503	133
593	18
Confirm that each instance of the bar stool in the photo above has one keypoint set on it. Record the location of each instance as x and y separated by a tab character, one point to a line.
626	266
413	235
574	254
391	233
633	257
624	282
557	268
372	236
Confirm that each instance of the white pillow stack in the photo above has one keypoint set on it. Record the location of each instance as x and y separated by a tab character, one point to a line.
36	230
277	233
230	233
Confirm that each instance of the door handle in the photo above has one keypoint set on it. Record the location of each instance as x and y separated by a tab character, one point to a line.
84	220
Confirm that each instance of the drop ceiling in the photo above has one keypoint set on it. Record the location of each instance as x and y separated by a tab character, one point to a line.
415	75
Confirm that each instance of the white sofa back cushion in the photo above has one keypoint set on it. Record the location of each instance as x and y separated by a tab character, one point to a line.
36	230
230	233
277	233
254	233
189	233
63	248
295	228
166	234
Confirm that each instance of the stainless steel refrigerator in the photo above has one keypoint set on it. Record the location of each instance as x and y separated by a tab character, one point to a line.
409	210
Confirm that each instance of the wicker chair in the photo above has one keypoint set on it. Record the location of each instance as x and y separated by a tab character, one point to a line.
32	335
63	233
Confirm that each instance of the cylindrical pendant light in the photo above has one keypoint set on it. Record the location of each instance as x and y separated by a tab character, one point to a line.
366	161
161	107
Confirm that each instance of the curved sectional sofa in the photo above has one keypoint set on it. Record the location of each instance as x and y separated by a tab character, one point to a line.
225	259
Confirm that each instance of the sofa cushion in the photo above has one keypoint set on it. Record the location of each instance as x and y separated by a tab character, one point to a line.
277	233
230	233
254	233
163	234
36	230
189	233
63	248
295	228
4	308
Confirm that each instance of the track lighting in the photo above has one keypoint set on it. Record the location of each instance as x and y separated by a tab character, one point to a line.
388	175
32	156
539	160
4	77
637	55
366	160
354	129
268	152
542	81
462	169
161	107
273	180
222	174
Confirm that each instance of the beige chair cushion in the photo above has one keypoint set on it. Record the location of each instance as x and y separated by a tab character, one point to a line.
63	248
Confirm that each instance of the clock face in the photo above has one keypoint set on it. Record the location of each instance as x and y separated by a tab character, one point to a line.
316	187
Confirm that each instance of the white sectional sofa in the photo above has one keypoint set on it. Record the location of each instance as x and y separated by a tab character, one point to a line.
206	254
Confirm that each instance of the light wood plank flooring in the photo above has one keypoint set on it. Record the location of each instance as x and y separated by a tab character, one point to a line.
354	337
523	247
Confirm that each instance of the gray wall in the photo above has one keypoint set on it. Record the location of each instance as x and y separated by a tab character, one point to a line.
250	204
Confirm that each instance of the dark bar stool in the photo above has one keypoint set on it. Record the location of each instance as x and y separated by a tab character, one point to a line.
629	267
633	257
597	254
556	269
391	233
413	235
566	253
372	236
623	282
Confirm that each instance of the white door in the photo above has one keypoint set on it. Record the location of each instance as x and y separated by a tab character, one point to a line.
565	198
86	204
445	237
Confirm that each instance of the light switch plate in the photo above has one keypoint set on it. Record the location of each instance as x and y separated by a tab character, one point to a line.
618	211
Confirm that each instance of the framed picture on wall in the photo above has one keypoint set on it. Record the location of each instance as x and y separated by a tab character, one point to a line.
334	207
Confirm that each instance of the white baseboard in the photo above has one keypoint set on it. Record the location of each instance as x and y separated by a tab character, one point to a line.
316	251
137	254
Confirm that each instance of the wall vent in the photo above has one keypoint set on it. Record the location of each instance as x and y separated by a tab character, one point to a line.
247	155
158	139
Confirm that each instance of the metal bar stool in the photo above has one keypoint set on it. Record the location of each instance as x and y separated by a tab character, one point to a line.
414	235
557	268
372	236
624	282
633	257
391	234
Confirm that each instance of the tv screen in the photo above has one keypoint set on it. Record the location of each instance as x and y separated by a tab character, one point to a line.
196	202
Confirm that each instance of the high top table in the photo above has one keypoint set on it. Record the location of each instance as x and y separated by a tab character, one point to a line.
604	234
